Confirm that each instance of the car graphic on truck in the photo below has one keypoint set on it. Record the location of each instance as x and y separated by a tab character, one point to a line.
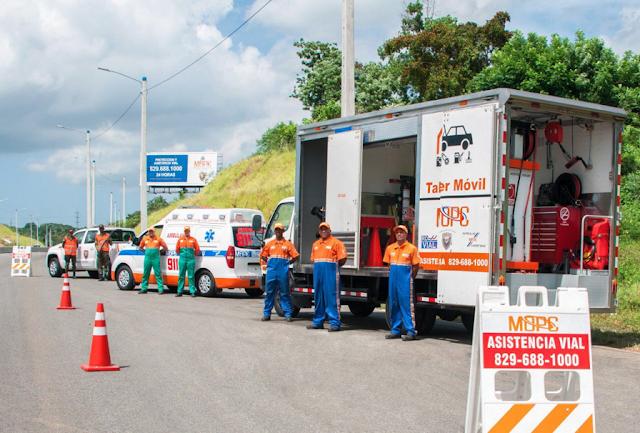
456	136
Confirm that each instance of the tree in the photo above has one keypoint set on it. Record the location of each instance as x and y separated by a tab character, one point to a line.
437	57
280	137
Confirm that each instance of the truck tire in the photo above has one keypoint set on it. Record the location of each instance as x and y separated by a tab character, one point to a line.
448	315
55	270
254	293
124	278
206	284
467	321
361	310
425	319
93	274
276	304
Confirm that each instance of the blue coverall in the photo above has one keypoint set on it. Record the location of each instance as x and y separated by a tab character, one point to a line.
277	277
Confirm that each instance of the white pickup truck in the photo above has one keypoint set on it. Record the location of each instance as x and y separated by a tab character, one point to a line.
86	258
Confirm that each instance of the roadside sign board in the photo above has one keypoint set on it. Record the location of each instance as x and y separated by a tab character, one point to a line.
21	262
189	169
531	362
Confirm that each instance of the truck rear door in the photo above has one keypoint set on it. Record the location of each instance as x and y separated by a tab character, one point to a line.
457	191
344	185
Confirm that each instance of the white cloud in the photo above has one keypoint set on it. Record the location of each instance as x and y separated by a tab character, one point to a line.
627	37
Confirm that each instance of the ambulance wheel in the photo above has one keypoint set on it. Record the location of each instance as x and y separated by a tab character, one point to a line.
124	278
206	284
425	319
254	293
467	321
294	310
93	274
55	270
361	310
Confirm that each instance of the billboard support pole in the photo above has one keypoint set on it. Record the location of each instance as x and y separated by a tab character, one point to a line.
143	159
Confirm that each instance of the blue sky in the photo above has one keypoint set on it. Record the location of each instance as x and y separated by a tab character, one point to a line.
51	51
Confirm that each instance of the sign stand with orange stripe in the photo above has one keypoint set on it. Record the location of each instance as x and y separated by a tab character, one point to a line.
531	365
21	262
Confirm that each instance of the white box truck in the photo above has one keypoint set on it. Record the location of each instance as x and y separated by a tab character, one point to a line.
497	187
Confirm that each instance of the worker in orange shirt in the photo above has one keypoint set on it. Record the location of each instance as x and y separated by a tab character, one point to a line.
188	248
103	244
70	245
328	254
152	246
278	254
403	258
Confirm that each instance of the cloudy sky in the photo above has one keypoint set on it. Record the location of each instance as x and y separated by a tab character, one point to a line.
50	51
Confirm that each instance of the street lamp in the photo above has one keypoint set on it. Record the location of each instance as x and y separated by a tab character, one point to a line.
143	149
88	139
17	240
93	193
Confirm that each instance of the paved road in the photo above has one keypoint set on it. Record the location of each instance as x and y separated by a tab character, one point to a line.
211	365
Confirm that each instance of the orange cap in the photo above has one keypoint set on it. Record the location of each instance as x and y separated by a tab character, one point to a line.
401	227
187	228
324	224
278	226
151	229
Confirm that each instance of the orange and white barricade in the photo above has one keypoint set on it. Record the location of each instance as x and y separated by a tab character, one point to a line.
531	366
21	262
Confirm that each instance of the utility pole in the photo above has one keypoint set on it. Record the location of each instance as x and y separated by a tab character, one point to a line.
31	231
93	194
111	208
115	210
143	159
124	199
37	231
77	220
50	229
348	74
88	179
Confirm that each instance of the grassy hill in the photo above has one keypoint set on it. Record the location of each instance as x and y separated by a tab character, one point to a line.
258	182
8	237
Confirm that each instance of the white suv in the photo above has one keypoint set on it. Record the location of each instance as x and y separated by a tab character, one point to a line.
229	257
86	259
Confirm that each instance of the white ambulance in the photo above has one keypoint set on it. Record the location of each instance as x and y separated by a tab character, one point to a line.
229	251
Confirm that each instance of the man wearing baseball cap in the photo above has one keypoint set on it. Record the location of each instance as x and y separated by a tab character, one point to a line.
103	245
403	258
152	245
327	255
187	248
278	254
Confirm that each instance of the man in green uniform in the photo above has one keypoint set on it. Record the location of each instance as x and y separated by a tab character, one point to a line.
188	248
152	246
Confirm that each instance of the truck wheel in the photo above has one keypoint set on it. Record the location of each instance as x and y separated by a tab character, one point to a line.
467	321
93	274
425	319
448	315
254	293
55	270
361	310
276	304
124	278
206	284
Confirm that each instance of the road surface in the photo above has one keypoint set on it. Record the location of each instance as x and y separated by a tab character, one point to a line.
211	365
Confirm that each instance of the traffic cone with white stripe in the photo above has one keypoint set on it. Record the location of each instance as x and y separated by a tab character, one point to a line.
99	358
65	299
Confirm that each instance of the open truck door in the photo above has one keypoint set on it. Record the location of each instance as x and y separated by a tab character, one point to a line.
344	185
458	196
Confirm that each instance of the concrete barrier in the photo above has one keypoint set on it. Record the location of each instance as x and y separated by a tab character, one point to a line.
5	250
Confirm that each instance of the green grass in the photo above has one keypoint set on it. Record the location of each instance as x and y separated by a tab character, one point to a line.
622	328
258	182
8	237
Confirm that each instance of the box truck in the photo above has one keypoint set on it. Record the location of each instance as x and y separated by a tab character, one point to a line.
501	187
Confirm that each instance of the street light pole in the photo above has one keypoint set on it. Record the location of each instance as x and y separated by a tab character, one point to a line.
124	199
17	239
115	210
93	194
111	208
143	159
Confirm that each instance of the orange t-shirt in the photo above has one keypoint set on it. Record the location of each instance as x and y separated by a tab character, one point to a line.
330	250
188	242
405	255
279	249
102	241
154	243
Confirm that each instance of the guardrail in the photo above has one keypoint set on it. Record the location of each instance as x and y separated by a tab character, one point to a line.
5	250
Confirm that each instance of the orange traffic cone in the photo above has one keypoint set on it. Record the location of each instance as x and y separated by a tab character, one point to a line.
65	299
99	358
375	253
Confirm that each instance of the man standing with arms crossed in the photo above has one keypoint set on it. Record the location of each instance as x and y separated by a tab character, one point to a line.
103	243
152	245
328	254
403	258
70	245
188	248
278	254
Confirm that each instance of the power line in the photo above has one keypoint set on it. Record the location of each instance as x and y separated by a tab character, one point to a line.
119	118
110	180
216	46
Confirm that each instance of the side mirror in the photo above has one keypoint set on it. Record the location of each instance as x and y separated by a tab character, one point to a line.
256	223
136	241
